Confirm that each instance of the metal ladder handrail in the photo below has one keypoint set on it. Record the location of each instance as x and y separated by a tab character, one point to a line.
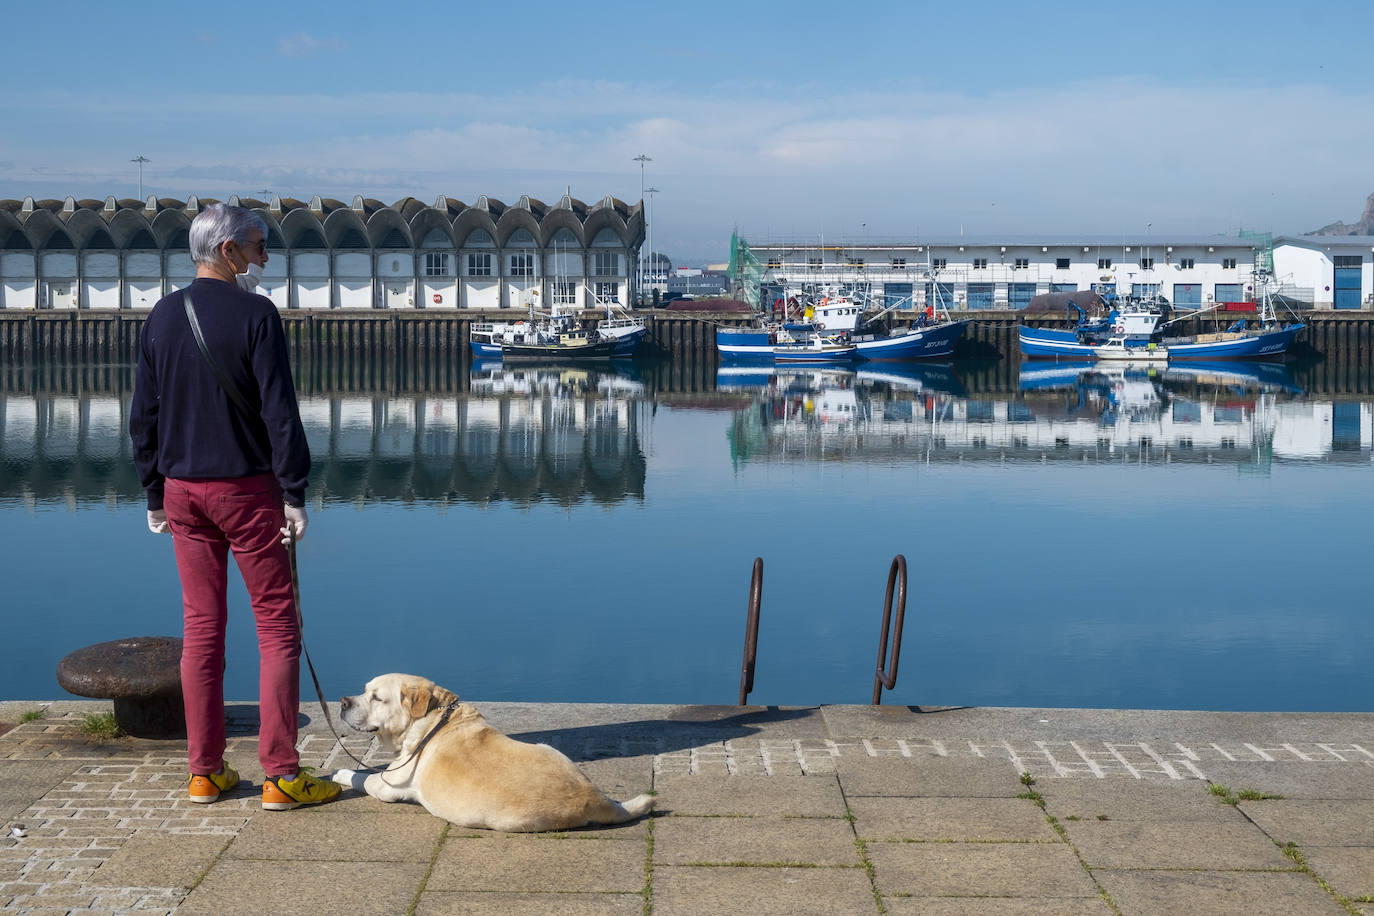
885	675
751	632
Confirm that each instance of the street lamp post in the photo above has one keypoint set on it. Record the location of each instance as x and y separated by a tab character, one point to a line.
639	280
653	257
140	160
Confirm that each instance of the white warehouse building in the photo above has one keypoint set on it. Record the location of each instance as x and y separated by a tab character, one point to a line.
127	254
1310	272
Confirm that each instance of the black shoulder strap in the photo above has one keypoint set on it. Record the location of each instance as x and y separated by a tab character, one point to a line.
220	377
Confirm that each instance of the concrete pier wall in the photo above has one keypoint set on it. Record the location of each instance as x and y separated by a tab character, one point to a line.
113	336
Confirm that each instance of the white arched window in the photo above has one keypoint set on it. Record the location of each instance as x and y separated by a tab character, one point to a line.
479	263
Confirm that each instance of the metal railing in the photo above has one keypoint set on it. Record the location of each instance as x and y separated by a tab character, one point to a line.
751	632
886	673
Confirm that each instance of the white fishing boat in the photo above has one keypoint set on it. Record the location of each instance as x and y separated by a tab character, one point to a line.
1117	348
815	348
487	338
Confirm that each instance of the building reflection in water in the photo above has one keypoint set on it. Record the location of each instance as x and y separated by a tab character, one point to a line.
1247	414
521	435
568	435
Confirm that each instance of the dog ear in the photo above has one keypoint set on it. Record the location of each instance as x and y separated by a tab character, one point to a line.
415	700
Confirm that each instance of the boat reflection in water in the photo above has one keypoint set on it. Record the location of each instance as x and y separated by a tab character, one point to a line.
827	413
557	432
1198	411
1232	413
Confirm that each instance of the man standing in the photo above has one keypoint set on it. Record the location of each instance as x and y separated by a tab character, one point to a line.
224	478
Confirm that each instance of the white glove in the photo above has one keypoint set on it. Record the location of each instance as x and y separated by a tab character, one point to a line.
157	521
296	520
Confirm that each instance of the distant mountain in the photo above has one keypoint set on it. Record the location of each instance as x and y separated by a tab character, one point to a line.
1364	227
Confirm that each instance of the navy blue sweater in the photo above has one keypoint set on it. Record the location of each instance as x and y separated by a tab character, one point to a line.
183	424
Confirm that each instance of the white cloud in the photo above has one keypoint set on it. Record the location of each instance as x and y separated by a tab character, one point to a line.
303	44
1099	156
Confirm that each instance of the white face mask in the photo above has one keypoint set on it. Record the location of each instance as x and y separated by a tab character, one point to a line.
250	278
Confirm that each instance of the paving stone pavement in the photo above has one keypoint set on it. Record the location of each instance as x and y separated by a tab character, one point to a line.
836	809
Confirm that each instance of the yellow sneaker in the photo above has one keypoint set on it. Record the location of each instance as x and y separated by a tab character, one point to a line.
281	794
204	789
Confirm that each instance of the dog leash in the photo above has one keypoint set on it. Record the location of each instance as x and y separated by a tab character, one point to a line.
324	707
300	625
415	754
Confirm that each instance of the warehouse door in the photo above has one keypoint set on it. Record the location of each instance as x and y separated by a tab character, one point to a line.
312	294
1188	295
399	295
17	293
483	294
101	294
354	294
1227	292
142	294
1346	285
940	295
1019	295
60	295
897	295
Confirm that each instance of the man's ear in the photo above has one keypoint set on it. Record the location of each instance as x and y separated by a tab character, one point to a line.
415	700
224	249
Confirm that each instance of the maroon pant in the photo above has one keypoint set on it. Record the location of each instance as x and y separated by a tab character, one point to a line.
208	518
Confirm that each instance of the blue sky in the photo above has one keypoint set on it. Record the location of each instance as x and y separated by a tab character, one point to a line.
902	120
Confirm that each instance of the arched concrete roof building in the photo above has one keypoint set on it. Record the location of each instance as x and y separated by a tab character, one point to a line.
424	247
517	217
603	218
388	229
343	228
428	220
471	220
561	218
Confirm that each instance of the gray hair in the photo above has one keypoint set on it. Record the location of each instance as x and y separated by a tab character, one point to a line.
220	223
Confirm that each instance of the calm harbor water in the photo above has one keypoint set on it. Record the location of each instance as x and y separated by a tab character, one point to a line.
1185	538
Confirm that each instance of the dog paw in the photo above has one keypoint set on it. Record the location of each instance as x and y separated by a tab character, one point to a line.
350	778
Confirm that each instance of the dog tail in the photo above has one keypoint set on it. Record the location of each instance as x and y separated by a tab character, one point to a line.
638	806
614	812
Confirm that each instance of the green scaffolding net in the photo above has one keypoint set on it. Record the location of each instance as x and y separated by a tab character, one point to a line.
746	270
1263	245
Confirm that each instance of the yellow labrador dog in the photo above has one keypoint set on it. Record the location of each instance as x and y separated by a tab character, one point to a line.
467	772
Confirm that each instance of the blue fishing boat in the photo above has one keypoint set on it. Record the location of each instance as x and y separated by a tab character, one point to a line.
1132	321
917	342
1138	330
753	344
931	336
627	332
783	344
